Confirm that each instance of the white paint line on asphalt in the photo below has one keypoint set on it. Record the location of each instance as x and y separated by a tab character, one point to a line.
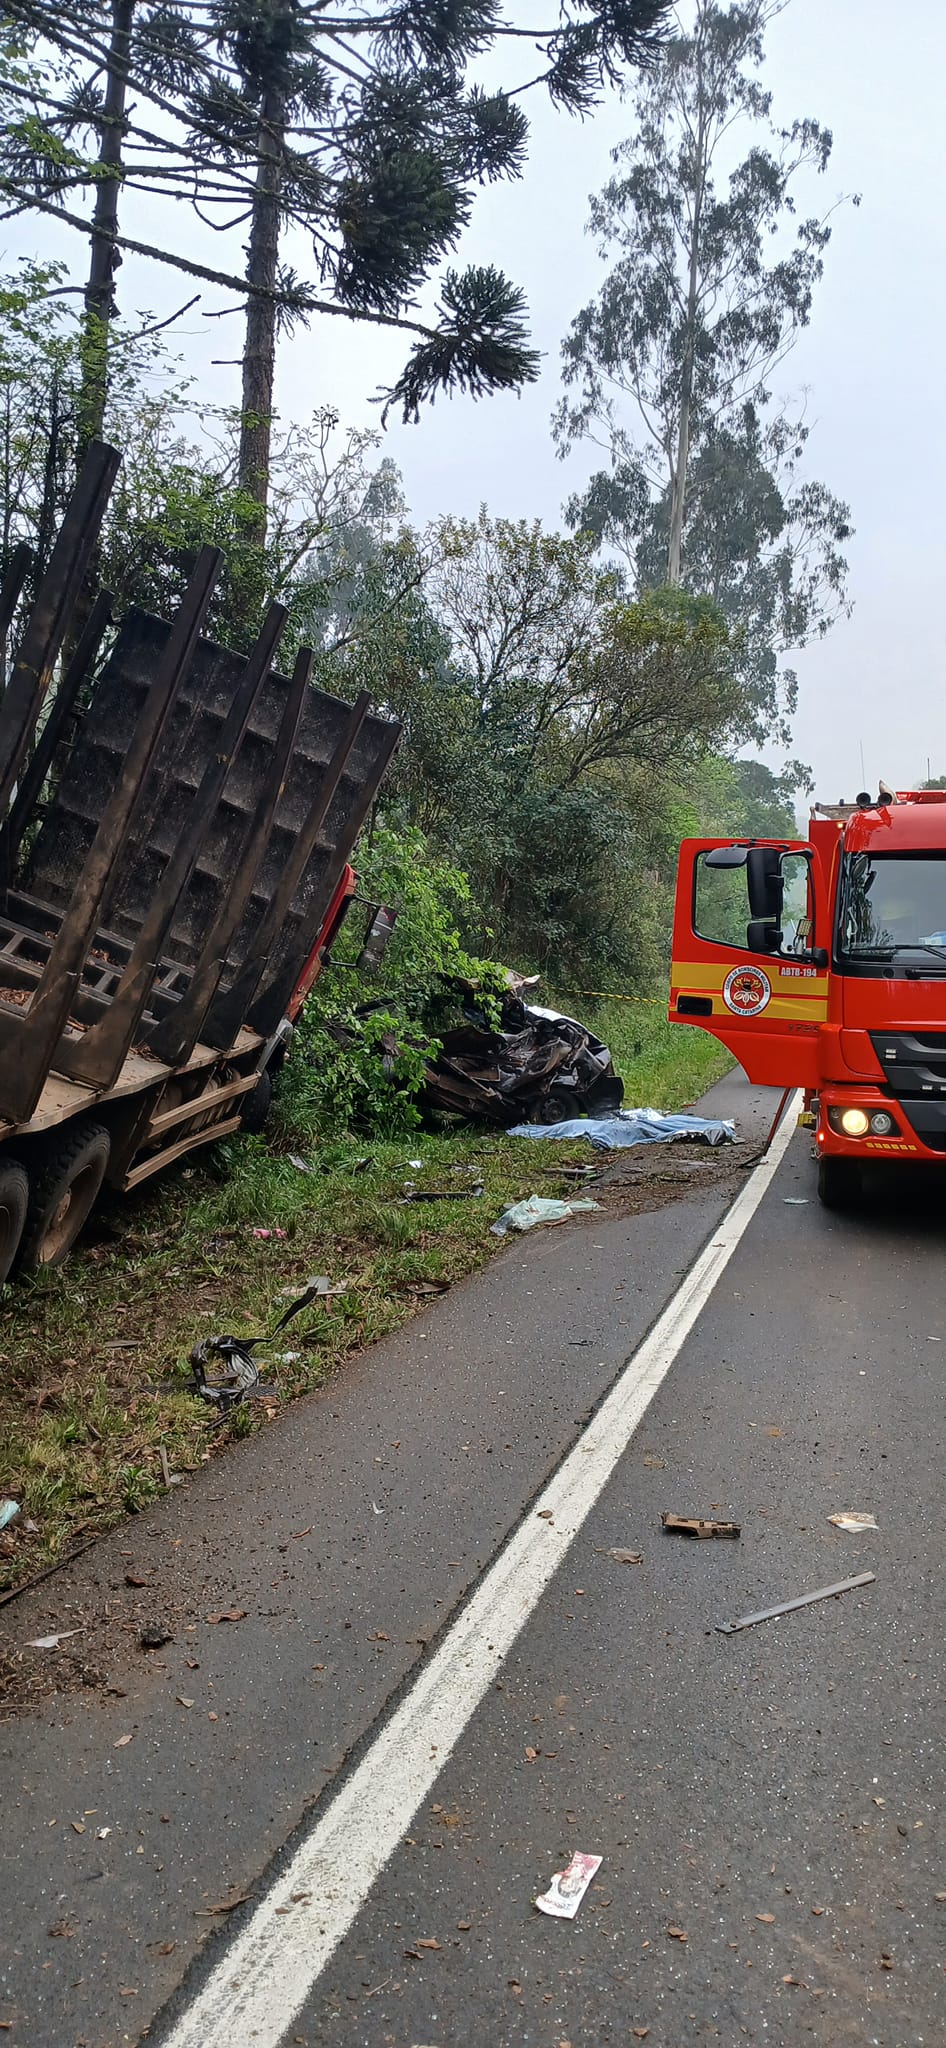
270	1967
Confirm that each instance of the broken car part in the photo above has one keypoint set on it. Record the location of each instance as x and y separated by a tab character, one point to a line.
729	1628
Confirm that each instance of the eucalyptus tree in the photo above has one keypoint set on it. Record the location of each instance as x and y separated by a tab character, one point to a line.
671	368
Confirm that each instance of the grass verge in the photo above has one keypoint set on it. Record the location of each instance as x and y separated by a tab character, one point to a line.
94	1360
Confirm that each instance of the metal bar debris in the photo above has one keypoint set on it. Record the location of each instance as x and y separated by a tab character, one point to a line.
729	1628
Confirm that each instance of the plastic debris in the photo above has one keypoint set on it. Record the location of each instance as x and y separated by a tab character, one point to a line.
696	1525
633	1127
319	1289
258	1231
536	1209
568	1887
52	1642
729	1628
854	1524
225	1371
8	1508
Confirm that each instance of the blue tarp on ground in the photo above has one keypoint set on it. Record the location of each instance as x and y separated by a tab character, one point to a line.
633	1127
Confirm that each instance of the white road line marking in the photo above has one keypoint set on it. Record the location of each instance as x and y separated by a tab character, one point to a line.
269	1969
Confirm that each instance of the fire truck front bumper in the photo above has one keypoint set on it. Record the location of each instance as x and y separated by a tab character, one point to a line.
865	1122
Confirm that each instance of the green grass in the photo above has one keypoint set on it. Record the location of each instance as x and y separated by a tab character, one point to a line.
94	1373
664	1066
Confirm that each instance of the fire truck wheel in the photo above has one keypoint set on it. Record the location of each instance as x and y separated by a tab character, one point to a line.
14	1202
62	1192
256	1104
839	1183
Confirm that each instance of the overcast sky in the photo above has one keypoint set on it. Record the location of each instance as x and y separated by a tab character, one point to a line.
871	364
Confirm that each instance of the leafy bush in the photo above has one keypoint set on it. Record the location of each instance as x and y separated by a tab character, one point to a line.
364	1039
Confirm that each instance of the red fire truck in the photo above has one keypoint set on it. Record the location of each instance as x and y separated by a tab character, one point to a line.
821	964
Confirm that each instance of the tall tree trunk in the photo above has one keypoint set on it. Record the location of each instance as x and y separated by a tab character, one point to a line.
259	352
105	257
681	465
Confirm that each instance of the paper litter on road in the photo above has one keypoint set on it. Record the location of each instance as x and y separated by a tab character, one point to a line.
537	1209
568	1887
633	1127
854	1524
52	1642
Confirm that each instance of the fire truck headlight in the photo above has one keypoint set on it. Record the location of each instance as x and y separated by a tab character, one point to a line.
855	1123
883	1124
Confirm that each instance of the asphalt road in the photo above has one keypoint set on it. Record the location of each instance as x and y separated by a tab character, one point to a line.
793	1771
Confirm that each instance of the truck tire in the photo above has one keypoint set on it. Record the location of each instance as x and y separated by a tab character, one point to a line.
256	1104
839	1183
14	1203
62	1192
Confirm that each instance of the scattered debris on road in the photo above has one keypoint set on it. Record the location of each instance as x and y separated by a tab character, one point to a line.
696	1525
8	1509
154	1637
568	1887
539	1209
622	1556
52	1642
855	1524
729	1628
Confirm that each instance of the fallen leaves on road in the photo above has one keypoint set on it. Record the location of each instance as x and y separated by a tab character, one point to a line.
678	1934
226	1614
767	1919
622	1556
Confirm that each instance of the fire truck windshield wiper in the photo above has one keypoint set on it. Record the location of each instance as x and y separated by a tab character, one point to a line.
921	946
889	952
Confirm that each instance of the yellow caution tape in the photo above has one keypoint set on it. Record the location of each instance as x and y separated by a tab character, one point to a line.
609	995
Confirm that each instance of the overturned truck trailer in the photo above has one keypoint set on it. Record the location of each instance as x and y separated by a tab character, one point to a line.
175	826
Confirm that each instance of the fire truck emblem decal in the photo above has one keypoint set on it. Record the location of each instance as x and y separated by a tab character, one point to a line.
746	991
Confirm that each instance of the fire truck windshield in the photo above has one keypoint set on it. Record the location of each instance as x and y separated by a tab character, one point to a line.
891	904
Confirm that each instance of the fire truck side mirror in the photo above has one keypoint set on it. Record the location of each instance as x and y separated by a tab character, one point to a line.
763	937
766	886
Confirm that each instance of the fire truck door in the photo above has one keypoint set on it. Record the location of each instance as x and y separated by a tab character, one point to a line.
749	963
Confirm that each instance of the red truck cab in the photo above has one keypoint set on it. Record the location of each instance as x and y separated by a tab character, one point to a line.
821	964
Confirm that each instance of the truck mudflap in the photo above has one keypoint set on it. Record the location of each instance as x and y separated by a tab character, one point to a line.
745	965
